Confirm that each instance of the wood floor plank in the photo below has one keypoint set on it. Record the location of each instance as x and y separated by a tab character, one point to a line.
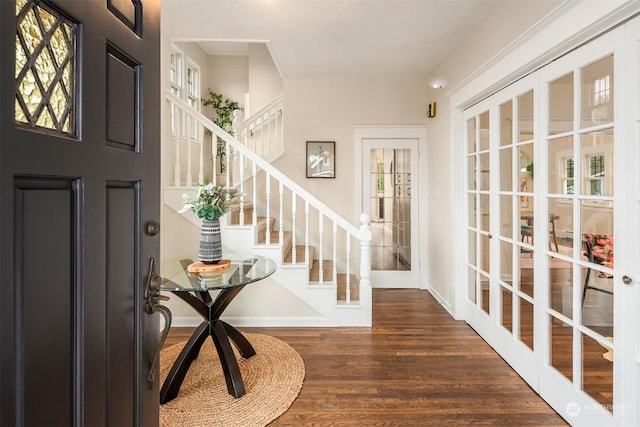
415	367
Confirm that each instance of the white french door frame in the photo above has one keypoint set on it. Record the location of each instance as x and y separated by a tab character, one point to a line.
565	397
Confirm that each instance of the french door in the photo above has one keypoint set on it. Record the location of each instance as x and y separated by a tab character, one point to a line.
552	242
500	136
390	198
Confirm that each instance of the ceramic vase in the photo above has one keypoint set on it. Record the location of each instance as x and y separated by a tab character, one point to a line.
210	242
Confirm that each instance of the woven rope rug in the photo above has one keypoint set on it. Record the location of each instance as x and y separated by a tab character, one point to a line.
272	379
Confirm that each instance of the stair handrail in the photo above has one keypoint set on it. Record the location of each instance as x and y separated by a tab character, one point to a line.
257	116
264	165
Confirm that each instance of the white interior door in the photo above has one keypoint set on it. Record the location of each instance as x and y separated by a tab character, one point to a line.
390	189
552	231
500	142
581	139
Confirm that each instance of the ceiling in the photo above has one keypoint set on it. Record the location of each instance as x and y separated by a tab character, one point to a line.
329	38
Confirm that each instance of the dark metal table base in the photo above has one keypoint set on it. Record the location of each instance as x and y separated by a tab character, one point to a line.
220	332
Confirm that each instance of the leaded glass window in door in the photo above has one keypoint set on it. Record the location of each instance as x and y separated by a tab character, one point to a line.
45	68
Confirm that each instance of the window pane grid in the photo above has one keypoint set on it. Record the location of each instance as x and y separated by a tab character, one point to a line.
45	68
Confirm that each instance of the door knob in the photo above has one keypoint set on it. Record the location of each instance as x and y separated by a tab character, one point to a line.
153	228
627	280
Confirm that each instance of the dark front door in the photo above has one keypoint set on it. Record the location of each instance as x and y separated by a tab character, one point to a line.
79	181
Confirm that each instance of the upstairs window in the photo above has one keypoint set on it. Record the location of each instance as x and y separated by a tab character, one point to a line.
596	175
193	96
175	73
567	175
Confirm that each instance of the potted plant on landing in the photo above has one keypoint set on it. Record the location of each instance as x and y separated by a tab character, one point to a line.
211	202
224	108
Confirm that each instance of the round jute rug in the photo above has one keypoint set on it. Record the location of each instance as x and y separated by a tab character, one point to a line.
272	379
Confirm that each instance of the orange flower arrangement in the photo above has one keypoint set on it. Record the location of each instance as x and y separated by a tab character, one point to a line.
601	248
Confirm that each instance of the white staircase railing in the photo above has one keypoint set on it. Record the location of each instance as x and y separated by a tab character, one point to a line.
263	132
252	174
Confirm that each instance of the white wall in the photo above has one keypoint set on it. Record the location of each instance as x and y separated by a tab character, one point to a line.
227	75
265	82
499	28
326	109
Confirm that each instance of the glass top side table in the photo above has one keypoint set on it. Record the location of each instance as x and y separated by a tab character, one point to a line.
194	289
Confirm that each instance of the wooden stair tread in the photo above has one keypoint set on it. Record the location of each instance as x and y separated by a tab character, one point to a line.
327	270
275	237
300	255
287	245
341	285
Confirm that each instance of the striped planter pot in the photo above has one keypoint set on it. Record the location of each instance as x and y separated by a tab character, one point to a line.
210	242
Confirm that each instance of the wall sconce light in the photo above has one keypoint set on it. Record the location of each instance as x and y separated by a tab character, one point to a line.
431	110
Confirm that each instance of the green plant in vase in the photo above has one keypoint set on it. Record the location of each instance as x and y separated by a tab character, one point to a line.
224	108
211	201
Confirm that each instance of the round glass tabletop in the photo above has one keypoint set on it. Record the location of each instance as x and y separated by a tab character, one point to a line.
242	270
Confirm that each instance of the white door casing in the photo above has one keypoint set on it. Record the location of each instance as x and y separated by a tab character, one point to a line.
394	214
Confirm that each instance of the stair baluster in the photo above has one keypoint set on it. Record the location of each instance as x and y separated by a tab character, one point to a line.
177	181
252	175
241	164
335	253
189	173
306	232
281	218
268	206
321	252
348	266
294	255
255	194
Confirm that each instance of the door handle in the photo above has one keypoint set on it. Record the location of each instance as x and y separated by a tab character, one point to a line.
153	297
153	228
627	280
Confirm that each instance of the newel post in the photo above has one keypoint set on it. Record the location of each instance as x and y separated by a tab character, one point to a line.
365	250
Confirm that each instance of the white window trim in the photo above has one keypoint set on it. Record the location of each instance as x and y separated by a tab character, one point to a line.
179	70
196	96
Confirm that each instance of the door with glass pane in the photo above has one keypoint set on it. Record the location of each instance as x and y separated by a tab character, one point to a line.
583	140
389	196
500	151
79	184
551	230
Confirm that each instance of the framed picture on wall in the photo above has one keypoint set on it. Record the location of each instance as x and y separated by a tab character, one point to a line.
321	159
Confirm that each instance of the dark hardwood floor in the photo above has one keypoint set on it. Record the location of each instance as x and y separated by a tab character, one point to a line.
415	367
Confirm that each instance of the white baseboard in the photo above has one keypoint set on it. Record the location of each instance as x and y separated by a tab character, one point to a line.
446	305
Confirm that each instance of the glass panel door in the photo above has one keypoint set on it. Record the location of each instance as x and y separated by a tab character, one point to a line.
389	196
576	223
479	164
552	231
500	141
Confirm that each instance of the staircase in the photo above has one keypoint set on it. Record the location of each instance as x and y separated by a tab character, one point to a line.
310	243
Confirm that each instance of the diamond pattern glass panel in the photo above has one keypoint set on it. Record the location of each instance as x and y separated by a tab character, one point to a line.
45	67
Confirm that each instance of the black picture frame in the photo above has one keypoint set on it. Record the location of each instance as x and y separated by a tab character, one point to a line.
321	159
